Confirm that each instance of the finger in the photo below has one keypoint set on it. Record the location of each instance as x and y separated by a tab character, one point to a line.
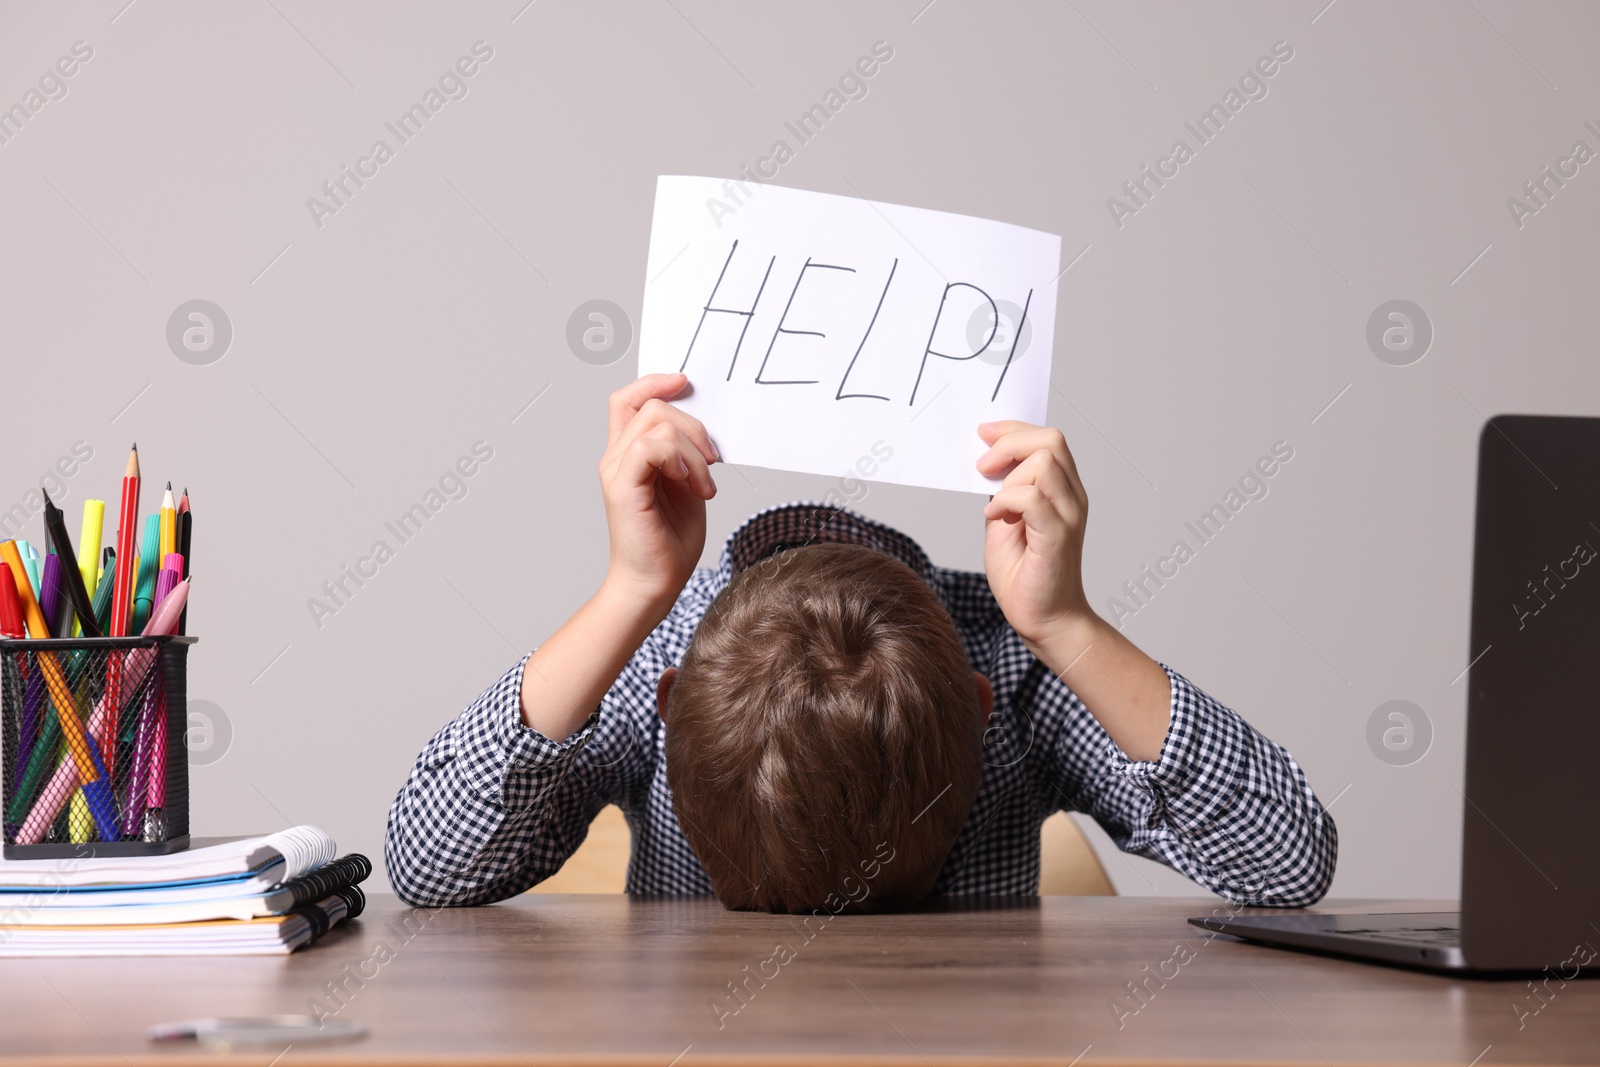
993	431
699	477
625	403
652	461
1028	505
1020	442
644	459
656	412
1043	470
667	450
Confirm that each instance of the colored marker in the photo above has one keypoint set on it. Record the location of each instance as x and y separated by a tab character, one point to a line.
185	535
155	816
138	665
72	583
10	607
102	594
93	528
30	564
145	568
33	699
85	754
152	716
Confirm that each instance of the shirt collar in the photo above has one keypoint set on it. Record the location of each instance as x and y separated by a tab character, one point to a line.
810	522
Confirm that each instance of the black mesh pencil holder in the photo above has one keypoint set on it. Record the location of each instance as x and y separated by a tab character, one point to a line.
94	756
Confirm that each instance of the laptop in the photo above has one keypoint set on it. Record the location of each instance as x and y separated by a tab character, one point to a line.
1530	878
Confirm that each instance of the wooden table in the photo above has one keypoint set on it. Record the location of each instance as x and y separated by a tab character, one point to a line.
604	979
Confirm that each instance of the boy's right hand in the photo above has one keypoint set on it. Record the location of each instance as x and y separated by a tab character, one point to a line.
655	476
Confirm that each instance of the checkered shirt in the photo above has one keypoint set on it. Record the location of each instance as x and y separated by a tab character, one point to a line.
493	807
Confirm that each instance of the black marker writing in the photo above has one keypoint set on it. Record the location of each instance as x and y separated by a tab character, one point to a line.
781	318
708	309
782	327
840	394
1016	336
928	351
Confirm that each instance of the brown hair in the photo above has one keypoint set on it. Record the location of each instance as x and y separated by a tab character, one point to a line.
823	736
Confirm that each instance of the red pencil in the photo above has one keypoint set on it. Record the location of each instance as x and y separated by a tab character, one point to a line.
127	533
121	600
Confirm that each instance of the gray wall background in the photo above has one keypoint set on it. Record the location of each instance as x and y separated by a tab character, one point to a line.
1228	313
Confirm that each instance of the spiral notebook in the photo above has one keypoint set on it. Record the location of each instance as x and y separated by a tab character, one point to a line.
119	906
248	896
271	936
268	860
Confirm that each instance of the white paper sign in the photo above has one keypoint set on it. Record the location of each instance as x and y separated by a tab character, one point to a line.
840	336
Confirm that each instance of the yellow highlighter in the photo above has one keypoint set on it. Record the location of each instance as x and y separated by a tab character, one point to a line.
80	827
94	522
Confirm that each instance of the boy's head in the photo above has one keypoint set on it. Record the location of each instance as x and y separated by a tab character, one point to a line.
823	735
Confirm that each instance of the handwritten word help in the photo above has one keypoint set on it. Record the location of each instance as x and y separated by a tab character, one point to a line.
812	325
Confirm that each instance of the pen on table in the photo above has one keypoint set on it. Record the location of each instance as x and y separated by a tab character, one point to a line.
72	582
145	568
85	755
185	534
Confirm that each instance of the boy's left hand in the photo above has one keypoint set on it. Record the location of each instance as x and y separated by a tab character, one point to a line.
1033	532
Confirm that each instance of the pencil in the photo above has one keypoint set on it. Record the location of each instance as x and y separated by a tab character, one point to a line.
169	525
127	533
122	588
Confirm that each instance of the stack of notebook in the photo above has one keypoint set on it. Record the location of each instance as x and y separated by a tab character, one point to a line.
246	896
